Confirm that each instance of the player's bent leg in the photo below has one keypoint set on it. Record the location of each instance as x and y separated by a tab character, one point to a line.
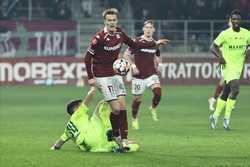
218	90
220	106
235	89
234	86
135	108
155	101
115	118
123	118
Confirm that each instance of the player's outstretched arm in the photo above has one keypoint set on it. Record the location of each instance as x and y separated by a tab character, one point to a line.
58	144
96	112
127	55
89	97
162	41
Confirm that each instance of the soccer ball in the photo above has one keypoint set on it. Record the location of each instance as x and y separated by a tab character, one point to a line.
121	67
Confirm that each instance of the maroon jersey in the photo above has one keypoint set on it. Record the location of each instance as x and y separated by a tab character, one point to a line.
144	58
104	50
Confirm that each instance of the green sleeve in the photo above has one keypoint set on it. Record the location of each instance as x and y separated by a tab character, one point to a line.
65	137
220	39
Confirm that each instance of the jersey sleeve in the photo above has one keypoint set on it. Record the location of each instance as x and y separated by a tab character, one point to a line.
91	50
130	51
136	45
95	41
219	41
65	136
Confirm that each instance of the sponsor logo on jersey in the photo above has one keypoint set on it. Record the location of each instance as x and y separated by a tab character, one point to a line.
237	47
148	50
113	48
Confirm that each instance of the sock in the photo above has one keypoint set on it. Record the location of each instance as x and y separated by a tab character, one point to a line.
135	108
124	124
157	96
229	107
220	105
115	123
218	90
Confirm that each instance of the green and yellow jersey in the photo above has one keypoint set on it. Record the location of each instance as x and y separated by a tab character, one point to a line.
87	135
233	47
90	134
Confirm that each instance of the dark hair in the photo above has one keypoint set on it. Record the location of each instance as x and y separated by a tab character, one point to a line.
149	22
235	12
111	11
72	105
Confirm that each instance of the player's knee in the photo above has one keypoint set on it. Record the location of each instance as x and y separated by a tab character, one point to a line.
122	103
136	103
115	112
226	92
157	95
137	99
235	90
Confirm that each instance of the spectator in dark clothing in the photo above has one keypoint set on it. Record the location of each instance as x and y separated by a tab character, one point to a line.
61	11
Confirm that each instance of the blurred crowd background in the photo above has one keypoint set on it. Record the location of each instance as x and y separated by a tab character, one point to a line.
137	9
190	24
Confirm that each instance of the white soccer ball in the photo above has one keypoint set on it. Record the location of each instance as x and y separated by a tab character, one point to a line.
121	67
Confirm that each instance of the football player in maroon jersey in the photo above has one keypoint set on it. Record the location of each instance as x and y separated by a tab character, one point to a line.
103	51
144	71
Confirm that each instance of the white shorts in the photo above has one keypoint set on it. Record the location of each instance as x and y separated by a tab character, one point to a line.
111	87
139	85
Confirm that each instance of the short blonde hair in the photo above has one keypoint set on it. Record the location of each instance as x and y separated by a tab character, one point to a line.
111	11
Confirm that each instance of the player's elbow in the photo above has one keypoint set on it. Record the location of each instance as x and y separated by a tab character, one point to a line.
87	58
212	47
248	51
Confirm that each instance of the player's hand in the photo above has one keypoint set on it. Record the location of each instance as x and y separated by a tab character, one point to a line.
54	147
222	60
135	70
91	82
162	42
159	68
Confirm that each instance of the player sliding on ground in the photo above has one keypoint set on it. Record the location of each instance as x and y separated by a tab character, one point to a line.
232	47
94	134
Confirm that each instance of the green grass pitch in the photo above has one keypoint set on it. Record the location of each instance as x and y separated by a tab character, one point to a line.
32	118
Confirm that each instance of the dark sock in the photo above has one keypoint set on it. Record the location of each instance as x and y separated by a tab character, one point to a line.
115	123
135	108
157	96
124	124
